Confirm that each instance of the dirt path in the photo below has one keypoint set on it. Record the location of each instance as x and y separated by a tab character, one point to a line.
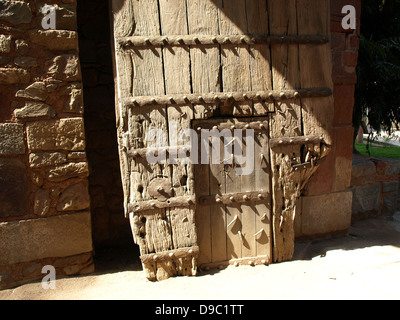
362	265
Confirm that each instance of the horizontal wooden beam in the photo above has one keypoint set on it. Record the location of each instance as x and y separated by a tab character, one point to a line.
215	98
185	201
251	261
234	198
170	255
257	126
142	153
289	141
225	40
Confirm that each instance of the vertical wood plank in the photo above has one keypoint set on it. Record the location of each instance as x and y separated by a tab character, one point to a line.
247	184
218	213
177	80
123	26
235	58
144	76
285	68
261	79
314	18
234	230
285	122
203	213
173	17
235	66
203	19
262	183
260	57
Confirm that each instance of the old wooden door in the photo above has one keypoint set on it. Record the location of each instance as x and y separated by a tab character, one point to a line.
233	212
183	65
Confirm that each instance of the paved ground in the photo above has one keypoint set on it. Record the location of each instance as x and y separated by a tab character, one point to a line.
365	264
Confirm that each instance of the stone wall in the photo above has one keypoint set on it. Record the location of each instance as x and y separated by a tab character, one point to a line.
332	181
44	199
375	186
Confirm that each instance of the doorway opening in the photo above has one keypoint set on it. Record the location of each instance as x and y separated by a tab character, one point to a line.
111	233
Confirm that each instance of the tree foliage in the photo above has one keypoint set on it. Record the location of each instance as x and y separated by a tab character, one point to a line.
377	93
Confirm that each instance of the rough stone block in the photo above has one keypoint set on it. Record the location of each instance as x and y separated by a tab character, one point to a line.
21	46
390	203
14	76
25	62
4	60
64	67
75	102
46	159
393	167
34	110
63	134
15	12
363	168
12	139
5	43
14	199
42	202
366	198
67	171
55	39
58	236
36	91
74	198
326	213
390	186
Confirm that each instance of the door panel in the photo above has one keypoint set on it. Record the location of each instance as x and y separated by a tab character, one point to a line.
237	207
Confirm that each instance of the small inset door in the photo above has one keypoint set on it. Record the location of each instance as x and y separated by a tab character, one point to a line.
233	209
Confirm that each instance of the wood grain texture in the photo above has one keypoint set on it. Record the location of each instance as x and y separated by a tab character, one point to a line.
317	114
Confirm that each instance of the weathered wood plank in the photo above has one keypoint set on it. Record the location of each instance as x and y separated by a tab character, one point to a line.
234	226
317	115
285	68
122	27
154	233
286	122
235	59
260	71
247	183
203	214
203	20
218	214
259	54
262	211
177	80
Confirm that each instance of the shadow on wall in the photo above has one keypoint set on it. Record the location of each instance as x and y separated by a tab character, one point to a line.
109	226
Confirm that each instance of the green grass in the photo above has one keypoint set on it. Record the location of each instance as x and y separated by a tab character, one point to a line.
379	150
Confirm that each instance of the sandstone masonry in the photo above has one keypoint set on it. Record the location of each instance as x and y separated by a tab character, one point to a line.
44	198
